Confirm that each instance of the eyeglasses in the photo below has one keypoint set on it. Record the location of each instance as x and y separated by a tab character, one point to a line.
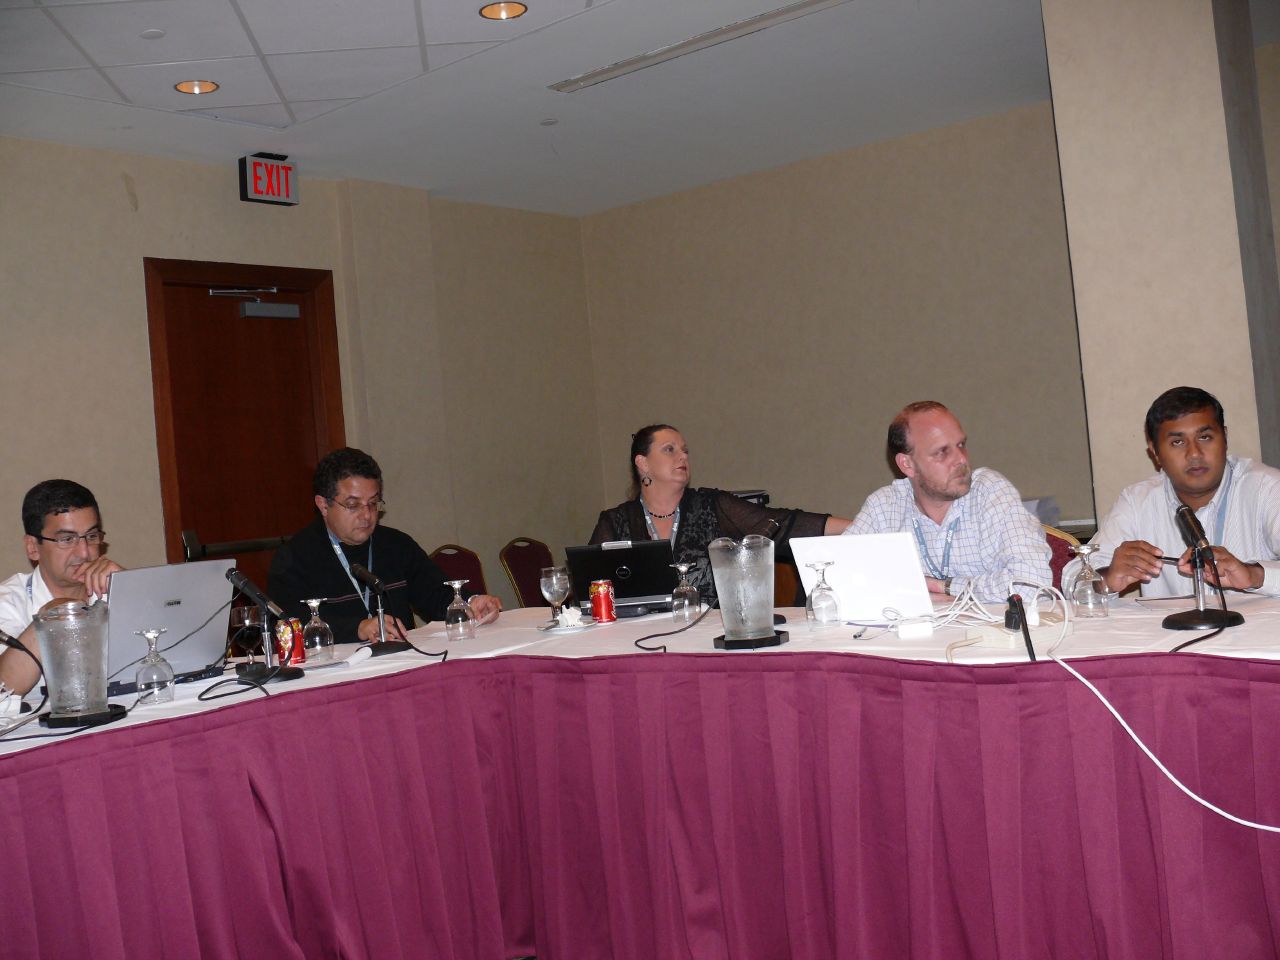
65	541
378	505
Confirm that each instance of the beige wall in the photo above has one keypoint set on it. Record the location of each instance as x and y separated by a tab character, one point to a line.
71	252
517	368
781	319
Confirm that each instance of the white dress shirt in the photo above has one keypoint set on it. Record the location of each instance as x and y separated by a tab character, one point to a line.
21	597
987	540
1243	516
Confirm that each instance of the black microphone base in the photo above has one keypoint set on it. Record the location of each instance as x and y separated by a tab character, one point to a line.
775	639
390	646
1202	620
261	673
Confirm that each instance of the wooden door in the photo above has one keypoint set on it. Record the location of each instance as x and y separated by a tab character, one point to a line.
245	406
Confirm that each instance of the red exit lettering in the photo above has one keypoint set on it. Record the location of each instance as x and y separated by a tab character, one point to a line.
266	179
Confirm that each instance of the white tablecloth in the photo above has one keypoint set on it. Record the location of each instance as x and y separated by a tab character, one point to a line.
1133	627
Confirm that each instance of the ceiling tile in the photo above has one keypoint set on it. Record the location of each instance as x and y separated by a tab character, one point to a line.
451	21
30	41
343	74
194	30
297	26
439	54
310	109
271	115
151	85
77	83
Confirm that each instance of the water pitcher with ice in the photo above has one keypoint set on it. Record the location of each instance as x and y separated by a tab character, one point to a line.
73	648
743	572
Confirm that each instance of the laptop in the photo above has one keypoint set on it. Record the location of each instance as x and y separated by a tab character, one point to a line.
641	571
870	572
189	600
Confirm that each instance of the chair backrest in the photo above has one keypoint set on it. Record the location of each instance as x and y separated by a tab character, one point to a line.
1060	543
523	559
786	584
459	563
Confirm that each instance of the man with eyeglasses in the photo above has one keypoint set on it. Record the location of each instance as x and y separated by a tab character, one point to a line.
64	539
317	561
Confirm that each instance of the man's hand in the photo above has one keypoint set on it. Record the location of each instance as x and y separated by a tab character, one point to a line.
367	632
485	607
96	576
1134	561
1235	573
935	586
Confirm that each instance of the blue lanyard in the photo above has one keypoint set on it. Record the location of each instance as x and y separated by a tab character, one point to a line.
363	592
935	572
648	522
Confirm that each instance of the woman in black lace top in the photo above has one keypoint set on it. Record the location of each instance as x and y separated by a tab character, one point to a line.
664	506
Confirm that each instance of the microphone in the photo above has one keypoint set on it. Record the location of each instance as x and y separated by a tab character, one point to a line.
250	590
367	577
1189	527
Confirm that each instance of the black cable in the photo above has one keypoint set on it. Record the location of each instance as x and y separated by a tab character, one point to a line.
662	648
244	683
15	644
1221	600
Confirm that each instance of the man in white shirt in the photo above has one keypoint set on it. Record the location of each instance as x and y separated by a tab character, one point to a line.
1237	501
970	526
63	537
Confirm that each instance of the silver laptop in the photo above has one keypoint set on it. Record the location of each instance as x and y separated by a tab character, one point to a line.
871	572
190	601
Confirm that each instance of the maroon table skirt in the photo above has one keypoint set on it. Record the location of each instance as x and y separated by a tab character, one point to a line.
809	806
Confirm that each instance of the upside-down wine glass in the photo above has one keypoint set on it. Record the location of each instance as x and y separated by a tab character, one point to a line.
554	584
686	603
317	638
155	676
821	605
459	620
1088	590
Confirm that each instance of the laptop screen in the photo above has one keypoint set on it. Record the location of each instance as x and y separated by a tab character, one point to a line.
869	573
190	600
641	570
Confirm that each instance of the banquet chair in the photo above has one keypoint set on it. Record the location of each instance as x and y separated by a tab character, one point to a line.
523	559
459	563
1060	544
786	585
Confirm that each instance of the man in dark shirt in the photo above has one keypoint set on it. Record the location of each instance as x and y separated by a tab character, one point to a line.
317	561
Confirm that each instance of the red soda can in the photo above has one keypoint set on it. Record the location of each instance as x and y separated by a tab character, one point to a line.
289	650
602	601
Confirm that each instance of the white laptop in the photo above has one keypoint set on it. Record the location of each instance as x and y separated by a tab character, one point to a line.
188	600
871	572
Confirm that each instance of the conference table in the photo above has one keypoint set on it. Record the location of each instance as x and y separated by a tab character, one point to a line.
569	795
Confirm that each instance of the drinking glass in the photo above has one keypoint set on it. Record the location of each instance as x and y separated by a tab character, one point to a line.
554	584
317	638
459	620
821	605
154	678
1088	590
686	604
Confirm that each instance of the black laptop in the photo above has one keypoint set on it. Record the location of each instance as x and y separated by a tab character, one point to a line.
640	570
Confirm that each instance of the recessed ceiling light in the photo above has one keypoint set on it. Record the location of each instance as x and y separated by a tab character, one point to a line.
196	87
549	122
503	11
152	34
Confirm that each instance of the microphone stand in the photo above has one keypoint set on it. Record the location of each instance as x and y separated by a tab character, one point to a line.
383	646
1202	618
268	671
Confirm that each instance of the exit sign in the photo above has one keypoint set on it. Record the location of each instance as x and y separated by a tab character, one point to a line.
268	178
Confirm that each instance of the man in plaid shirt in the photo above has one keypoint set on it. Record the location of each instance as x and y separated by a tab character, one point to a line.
970	526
